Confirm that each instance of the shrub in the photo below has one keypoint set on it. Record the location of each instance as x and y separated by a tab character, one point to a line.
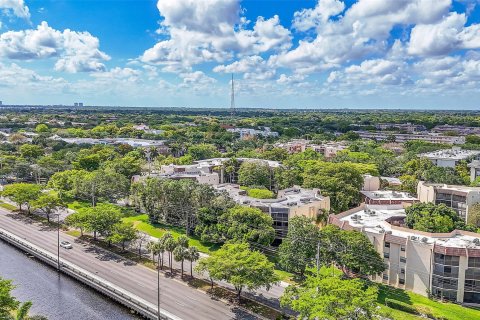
260	193
402	306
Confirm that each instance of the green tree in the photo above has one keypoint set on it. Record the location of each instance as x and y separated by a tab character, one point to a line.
41	128
299	248
31	151
242	223
22	194
239	266
8	303
170	244
327	295
78	220
123	232
430	217
192	256
254	174
101	184
101	219
48	203
340	181
180	253
203	151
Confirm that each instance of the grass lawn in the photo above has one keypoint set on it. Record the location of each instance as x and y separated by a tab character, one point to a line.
7	206
76	205
142	223
438	309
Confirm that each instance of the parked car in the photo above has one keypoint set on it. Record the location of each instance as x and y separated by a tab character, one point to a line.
66	245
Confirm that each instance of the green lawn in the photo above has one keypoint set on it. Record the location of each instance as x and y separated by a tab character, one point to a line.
438	309
142	223
7	206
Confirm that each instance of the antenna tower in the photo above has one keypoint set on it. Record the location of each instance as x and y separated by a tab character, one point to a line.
232	99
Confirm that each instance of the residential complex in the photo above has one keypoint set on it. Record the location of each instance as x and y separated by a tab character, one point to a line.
246	133
446	265
130	141
404	137
460	130
289	203
459	198
449	158
474	169
387	197
328	149
203	175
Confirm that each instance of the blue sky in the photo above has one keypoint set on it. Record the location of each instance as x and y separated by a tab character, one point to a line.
283	53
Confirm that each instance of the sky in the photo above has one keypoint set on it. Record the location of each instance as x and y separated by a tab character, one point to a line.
394	54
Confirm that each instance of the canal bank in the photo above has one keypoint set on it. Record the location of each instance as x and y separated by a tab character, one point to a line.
55	295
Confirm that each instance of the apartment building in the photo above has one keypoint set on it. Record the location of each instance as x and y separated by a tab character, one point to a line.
289	203
246	133
387	197
449	158
474	169
328	149
447	265
404	137
200	174
459	198
460	130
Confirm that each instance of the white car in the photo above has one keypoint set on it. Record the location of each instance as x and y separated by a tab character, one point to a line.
66	245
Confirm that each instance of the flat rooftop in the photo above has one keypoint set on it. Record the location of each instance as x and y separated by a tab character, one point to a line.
388	195
373	219
220	161
291	197
450	154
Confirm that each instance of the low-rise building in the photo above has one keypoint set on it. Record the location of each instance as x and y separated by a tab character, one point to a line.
474	169
370	183
113	141
460	130
387	197
328	149
404	137
459	198
449	158
289	203
246	133
446	265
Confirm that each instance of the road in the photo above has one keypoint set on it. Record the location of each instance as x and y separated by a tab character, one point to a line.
176	297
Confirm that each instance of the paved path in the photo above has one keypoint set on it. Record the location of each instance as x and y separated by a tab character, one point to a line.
176	297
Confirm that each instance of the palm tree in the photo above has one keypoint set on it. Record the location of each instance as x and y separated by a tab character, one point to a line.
192	256
181	250
152	246
170	245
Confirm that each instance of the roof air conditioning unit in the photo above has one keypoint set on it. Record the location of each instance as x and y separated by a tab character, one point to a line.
413	238
424	240
476	241
388	232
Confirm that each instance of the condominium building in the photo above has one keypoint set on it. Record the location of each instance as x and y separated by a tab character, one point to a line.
328	149
446	265
474	169
202	175
459	198
449	158
289	203
460	130
387	197
404	137
246	133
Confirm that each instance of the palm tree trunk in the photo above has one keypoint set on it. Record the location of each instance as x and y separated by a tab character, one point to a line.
191	269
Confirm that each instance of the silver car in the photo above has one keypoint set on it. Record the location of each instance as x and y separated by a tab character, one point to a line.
66	245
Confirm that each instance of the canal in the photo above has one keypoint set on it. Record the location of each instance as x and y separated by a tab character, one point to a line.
55	296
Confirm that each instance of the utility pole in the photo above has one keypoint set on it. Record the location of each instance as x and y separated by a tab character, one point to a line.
318	257
159	315
58	241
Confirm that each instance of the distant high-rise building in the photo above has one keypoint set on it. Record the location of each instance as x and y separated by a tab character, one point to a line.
78	104
1	103
75	104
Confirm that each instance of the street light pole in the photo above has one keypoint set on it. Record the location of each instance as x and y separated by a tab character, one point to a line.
158	286
58	242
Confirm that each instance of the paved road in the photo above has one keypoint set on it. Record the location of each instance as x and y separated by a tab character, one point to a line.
176	297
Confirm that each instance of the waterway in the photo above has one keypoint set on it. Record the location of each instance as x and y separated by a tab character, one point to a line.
54	295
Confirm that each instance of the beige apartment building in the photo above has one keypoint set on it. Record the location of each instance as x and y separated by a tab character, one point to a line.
459	198
446	265
292	202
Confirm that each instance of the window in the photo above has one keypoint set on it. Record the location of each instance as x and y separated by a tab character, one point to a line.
385	276
402	271
387	244
447	269
403	259
401	281
402	248
386	255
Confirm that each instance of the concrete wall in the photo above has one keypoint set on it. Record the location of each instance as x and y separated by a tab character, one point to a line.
425	193
371	183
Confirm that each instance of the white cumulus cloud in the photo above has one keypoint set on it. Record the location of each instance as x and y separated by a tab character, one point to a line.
16	7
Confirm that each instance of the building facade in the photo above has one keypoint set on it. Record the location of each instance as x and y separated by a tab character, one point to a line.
445	265
289	203
459	198
449	158
404	137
